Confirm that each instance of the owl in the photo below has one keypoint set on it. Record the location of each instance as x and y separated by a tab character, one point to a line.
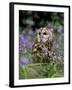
45	36
42	50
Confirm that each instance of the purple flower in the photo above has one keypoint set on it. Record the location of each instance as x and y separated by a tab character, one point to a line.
57	45
30	32
22	39
21	48
49	24
60	29
24	60
29	45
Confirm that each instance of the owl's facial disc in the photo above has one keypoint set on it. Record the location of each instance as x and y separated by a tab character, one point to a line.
44	38
44	35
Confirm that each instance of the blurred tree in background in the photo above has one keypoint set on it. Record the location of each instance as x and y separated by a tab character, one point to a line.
37	19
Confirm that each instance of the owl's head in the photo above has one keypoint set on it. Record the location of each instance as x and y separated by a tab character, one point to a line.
44	35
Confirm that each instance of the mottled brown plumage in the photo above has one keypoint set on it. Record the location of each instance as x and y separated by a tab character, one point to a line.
43	48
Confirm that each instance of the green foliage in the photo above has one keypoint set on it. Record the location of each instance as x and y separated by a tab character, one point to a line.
40	70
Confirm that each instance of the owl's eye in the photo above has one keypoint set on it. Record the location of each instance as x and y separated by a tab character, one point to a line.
44	33
39	33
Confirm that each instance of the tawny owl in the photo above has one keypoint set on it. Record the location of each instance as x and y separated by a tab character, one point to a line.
42	49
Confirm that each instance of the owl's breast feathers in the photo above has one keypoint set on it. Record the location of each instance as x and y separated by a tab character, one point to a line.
42	49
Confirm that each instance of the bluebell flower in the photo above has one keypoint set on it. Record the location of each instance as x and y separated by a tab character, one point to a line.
23	39
57	45
24	60
49	24
60	29
20	48
29	45
30	32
